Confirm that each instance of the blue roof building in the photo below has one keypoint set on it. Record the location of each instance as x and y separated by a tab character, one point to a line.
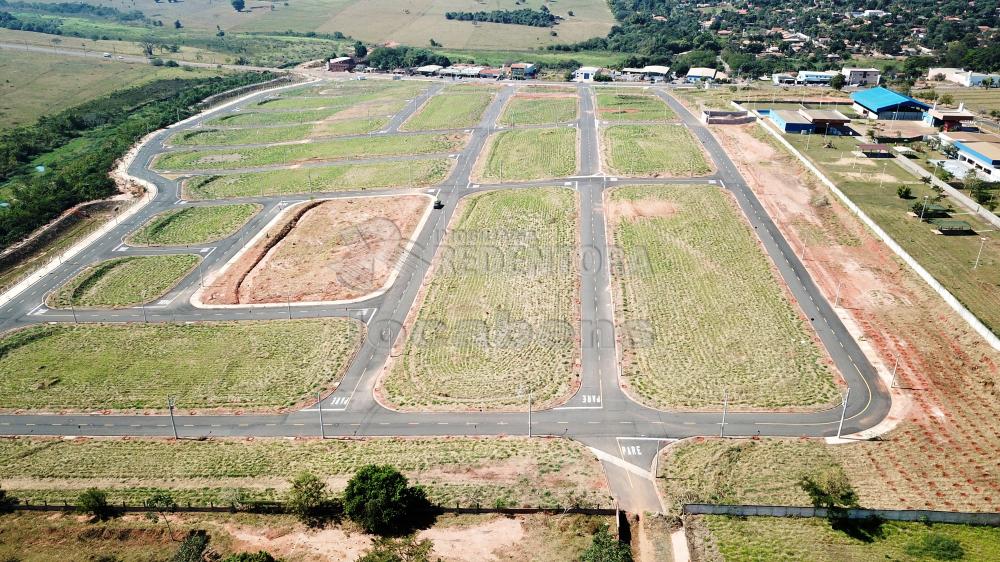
791	122
883	103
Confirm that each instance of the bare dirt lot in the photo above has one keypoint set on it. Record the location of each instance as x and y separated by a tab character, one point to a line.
322	251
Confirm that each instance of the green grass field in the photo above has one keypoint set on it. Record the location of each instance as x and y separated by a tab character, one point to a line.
692	272
262	135
237	366
525	110
37	84
653	150
787	539
345	177
625	107
497	318
261	118
320	151
548	472
193	225
122	282
450	111
529	154
872	184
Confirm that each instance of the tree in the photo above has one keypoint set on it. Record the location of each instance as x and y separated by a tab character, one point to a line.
147	47
178	24
360	51
946	99
159	503
385	549
308	499
380	499
904	192
838	82
259	556
94	502
192	547
829	488
238	5
606	548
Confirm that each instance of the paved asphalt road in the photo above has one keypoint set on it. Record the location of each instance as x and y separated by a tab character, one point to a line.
624	434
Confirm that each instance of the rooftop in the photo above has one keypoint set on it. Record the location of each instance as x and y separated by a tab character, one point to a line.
990	150
824	115
971	137
789	116
877	99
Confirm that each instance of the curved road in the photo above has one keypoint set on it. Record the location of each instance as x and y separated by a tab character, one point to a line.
624	434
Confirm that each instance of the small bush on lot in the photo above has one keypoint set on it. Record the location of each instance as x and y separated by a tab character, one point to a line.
308	500
94	502
380	499
606	548
936	546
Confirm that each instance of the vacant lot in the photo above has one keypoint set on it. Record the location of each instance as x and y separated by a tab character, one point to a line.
625	107
496	321
264	135
193	225
226	365
345	177
450	111
525	109
323	251
122	282
321	151
529	154
691	271
37	84
770	538
515	471
653	150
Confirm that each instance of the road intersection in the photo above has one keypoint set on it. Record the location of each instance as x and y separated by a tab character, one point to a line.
624	434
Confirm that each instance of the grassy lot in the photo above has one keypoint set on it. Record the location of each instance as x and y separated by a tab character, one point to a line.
691	271
122	282
496	319
653	150
872	185
785	539
529	154
346	177
536	472
30	263
226	365
450	111
260	118
525	110
37	84
320	151
976	99
262	135
193	225
624	107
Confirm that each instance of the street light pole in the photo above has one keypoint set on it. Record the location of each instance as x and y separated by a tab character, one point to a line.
319	404
980	254
843	413
725	408
170	408
529	414
924	208
892	383
836	301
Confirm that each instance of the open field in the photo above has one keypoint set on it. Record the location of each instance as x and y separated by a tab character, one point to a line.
977	99
653	150
262	118
516	471
221	365
942	455
495	322
320	151
872	185
528	154
450	111
345	177
323	251
262	135
626	106
760	95
42	537
33	261
534	109
122	282
37	84
736	539
691	270
193	225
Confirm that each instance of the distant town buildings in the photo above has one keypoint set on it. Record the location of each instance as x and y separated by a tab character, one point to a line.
340	64
963	77
585	74
861	76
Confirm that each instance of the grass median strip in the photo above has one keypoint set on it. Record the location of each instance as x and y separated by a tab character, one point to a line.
341	177
708	310
450	111
193	225
653	150
233	366
491	471
532	110
529	154
320	151
624	107
122	282
496	320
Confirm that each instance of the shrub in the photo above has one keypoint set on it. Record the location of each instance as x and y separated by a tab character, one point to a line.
380	499
259	556
936	546
192	547
398	550
308	500
94	502
904	192
830	489
606	548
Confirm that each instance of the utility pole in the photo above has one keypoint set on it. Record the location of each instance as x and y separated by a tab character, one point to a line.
319	404
843	413
170	408
725	408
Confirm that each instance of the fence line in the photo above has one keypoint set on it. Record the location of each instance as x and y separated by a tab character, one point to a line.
915	515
